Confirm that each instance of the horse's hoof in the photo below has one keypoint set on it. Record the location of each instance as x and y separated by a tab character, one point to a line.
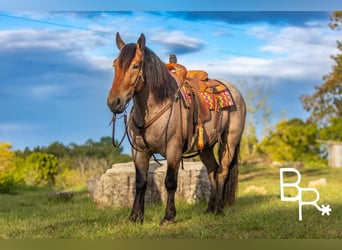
136	219
166	222
209	211
219	212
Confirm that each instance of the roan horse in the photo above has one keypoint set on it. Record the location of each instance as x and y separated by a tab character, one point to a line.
158	124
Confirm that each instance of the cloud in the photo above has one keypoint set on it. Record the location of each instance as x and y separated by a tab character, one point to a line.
176	41
287	53
50	38
45	63
274	69
47	91
279	18
291	38
8	127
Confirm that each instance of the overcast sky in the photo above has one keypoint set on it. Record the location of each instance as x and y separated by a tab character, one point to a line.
56	67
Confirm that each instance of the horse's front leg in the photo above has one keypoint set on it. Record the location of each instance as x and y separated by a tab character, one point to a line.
141	163
171	181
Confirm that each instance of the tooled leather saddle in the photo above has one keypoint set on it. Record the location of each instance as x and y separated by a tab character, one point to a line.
200	95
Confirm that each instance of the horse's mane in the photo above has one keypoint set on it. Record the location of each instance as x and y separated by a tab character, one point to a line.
162	85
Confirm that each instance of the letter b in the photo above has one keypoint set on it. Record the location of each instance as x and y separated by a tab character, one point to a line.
291	184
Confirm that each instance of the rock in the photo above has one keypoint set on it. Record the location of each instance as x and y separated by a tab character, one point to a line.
61	196
91	183
256	189
116	187
318	183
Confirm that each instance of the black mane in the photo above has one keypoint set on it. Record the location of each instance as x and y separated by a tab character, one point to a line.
162	85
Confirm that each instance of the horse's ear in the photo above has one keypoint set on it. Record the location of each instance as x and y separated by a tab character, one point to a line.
119	43
141	42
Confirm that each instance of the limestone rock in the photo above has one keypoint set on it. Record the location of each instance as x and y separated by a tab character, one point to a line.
116	187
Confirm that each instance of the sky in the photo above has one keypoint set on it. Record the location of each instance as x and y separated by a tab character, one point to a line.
56	66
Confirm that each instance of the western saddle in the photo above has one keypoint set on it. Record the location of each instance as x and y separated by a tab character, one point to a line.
193	83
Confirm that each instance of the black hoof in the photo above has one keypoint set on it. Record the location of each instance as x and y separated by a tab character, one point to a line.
209	210
219	211
136	219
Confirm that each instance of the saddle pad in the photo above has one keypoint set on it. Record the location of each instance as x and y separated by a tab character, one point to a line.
224	98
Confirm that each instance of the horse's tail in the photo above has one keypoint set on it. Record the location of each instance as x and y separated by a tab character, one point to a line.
231	184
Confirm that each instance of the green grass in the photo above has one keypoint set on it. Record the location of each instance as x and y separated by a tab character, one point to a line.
31	215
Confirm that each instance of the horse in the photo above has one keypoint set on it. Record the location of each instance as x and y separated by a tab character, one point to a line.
158	124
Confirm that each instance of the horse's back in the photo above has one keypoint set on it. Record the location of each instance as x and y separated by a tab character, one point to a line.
239	113
236	94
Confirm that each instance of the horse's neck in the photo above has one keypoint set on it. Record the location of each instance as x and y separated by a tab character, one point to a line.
145	107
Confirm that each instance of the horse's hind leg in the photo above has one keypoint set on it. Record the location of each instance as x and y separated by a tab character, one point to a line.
141	163
208	159
227	174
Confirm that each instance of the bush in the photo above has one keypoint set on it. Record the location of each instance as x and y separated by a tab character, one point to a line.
294	141
8	184
43	166
10	177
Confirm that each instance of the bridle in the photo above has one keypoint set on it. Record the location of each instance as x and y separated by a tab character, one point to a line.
141	128
113	121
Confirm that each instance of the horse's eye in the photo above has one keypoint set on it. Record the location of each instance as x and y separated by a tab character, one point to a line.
135	66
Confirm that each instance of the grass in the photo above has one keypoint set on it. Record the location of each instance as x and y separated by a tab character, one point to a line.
256	215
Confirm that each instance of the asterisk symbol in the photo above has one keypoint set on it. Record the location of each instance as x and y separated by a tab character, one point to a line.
326	210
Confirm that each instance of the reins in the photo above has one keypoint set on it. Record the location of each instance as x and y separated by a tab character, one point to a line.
141	128
113	122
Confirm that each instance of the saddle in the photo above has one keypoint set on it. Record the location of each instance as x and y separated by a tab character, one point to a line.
198	91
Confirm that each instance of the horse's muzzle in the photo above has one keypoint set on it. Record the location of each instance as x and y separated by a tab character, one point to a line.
117	105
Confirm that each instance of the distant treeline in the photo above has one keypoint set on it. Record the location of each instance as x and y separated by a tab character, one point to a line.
102	149
57	165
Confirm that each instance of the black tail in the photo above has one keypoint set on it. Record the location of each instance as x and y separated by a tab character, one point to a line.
231	183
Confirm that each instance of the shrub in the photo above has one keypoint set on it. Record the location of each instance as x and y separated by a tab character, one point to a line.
10	178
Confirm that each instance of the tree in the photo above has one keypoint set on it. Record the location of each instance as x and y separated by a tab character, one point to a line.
293	141
102	149
259	112
44	167
332	132
326	102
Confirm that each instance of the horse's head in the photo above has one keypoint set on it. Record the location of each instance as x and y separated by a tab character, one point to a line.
128	78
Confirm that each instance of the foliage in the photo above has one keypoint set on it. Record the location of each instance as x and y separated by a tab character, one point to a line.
10	179
332	132
293	141
44	167
256	95
326	102
102	149
69	165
